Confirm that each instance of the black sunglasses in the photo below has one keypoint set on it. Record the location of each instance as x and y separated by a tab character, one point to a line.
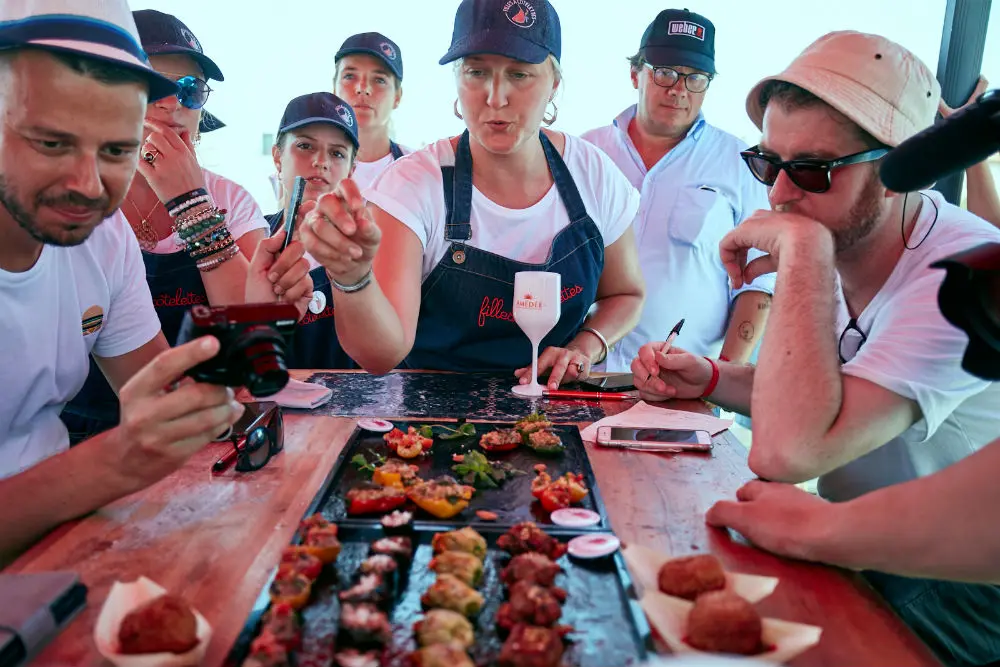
851	340
809	175
261	439
192	92
666	77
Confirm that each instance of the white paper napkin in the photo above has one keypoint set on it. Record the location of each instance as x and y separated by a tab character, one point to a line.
645	415
122	599
785	640
302	395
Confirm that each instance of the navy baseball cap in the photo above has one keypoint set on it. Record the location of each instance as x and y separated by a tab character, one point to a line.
682	38
525	30
374	44
164	34
104	31
320	108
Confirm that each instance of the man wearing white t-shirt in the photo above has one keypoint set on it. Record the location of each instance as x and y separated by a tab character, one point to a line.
694	190
71	276
859	380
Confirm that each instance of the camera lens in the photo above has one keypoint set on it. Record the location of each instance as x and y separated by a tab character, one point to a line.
259	353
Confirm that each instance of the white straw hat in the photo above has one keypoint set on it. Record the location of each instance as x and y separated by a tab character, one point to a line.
101	29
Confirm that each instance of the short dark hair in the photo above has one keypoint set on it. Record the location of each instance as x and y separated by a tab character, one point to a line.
637	61
792	96
282	139
100	70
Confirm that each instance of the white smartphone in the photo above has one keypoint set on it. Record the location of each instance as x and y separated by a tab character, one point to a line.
654	439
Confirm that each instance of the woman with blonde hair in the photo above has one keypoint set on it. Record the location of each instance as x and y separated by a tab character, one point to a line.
453	222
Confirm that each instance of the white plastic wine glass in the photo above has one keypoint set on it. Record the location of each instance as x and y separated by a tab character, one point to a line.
537	309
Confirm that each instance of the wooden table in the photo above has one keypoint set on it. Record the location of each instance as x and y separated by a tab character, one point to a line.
213	540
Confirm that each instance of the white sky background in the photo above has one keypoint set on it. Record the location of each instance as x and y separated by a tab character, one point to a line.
273	50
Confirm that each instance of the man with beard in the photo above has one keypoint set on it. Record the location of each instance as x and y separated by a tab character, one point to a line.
73	91
859	380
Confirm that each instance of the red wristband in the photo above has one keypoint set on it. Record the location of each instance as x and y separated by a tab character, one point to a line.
714	381
723	357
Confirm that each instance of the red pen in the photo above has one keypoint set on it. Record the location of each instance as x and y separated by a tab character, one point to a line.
227	460
587	395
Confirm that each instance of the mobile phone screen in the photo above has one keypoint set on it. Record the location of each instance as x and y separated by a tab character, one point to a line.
298	190
655	435
622	382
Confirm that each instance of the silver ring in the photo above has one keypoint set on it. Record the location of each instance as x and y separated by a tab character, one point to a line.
579	368
149	156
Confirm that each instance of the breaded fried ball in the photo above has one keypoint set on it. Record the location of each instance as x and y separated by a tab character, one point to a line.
691	576
723	622
163	625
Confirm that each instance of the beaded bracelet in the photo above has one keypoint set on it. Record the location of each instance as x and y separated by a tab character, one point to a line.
218	259
206	250
180	199
185	224
196	225
189	204
217	231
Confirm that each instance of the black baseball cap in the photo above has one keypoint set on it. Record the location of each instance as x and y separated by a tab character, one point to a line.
320	108
374	44
525	30
682	38
164	34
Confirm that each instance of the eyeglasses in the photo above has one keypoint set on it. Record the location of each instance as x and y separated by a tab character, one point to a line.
254	446
666	77
851	340
192	92
809	175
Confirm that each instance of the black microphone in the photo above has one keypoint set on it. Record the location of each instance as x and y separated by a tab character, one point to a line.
963	139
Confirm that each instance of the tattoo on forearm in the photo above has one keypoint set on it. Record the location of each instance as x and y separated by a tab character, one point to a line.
764	305
746	331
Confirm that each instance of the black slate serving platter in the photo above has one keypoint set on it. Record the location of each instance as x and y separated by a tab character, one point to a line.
512	501
610	628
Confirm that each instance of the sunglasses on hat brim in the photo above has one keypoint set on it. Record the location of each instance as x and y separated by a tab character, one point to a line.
809	175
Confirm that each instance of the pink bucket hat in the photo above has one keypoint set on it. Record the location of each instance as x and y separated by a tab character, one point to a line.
875	82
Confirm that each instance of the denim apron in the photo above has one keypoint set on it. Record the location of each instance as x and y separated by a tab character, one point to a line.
465	321
175	285
315	343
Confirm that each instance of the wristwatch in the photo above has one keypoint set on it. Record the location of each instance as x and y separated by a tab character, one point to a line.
356	287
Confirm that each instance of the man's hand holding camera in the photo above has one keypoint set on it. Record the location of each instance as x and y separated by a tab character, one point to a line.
165	418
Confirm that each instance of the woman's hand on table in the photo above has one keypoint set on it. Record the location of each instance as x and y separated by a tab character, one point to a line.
279	275
340	233
175	169
564	365
676	374
775	517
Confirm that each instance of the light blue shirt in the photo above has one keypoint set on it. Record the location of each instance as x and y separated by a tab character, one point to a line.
690	199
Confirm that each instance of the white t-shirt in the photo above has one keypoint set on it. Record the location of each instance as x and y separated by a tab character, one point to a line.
411	190
365	173
691	198
243	214
914	352
73	301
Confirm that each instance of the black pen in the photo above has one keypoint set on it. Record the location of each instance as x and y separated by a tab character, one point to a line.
673	336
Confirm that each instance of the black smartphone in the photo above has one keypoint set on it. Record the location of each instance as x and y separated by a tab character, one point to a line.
621	382
292	212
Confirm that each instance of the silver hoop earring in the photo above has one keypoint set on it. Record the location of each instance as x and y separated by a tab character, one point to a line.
458	114
555	114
